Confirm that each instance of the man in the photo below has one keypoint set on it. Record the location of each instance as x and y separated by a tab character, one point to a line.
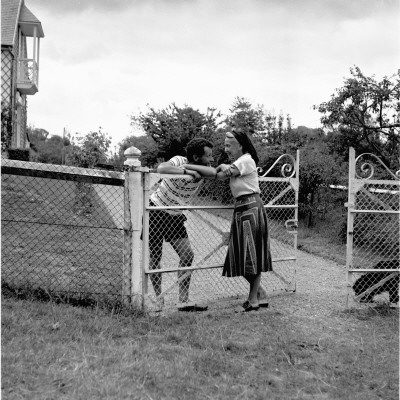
169	225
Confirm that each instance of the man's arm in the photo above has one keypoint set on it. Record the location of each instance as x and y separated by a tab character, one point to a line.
203	170
167	168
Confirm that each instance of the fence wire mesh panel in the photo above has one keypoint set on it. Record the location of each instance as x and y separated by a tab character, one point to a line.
206	216
373	231
62	231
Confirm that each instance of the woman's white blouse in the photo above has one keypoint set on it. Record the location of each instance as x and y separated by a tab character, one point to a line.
247	181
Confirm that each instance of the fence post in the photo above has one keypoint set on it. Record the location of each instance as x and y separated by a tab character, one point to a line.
133	211
350	220
127	256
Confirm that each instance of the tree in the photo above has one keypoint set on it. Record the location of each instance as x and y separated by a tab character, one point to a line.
365	114
245	116
173	127
145	144
37	135
263	126
318	169
90	149
50	150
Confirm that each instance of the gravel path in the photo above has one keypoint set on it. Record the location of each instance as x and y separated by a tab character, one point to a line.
320	288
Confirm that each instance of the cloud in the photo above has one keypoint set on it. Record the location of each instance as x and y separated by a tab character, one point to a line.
102	60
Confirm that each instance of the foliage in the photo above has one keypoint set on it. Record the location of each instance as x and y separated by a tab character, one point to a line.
146	144
36	135
263	126
364	113
245	116
49	150
90	149
318	169
173	127
19	154
6	126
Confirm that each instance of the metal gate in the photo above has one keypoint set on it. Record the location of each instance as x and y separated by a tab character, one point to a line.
372	259
208	219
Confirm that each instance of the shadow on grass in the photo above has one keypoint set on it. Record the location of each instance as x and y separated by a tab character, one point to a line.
381	309
116	306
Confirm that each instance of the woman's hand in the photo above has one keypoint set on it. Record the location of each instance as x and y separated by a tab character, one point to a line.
223	167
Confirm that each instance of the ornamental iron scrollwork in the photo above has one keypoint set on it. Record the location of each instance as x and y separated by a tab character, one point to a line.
367	169
287	170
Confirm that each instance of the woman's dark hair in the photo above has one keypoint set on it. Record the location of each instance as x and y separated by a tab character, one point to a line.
196	147
245	142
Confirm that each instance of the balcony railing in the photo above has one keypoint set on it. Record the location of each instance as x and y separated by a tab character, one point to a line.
27	77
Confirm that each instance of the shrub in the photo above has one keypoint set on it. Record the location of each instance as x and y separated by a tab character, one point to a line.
19	154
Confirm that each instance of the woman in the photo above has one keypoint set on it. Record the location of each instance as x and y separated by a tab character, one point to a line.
249	246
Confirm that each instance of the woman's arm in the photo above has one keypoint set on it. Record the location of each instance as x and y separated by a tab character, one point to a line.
225	171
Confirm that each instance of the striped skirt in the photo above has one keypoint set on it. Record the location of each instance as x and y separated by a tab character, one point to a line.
249	244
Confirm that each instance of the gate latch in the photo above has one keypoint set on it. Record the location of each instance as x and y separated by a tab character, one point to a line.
291	225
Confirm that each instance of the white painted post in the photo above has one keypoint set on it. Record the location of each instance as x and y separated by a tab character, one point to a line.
127	253
350	222
135	196
132	155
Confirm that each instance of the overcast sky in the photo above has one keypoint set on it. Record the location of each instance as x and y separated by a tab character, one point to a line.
102	60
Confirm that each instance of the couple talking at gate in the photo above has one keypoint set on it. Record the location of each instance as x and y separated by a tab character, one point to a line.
249	243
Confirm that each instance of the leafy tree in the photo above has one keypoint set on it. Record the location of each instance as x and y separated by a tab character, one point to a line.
364	114
49	150
261	125
145	144
318	168
245	116
90	149
173	127
37	135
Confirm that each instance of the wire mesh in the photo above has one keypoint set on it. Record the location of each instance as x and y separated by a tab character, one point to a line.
375	256
206	218
68	234
63	237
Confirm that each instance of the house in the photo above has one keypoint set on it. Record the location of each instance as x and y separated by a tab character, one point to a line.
21	32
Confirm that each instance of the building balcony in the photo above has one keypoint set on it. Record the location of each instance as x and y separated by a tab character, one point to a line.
27	76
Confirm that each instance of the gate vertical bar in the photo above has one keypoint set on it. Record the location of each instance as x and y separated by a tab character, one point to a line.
350	220
127	255
296	201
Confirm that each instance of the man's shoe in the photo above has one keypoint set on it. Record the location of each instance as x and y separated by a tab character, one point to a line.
191	307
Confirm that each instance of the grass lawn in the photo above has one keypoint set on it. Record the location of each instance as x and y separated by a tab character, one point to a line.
56	351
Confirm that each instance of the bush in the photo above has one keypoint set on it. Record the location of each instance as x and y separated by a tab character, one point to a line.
19	154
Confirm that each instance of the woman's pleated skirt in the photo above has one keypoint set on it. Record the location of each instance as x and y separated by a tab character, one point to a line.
249	243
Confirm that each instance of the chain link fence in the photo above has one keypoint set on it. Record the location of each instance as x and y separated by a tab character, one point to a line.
71	234
373	230
177	272
62	231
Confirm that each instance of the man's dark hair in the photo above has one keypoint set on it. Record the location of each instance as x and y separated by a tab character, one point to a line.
196	147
